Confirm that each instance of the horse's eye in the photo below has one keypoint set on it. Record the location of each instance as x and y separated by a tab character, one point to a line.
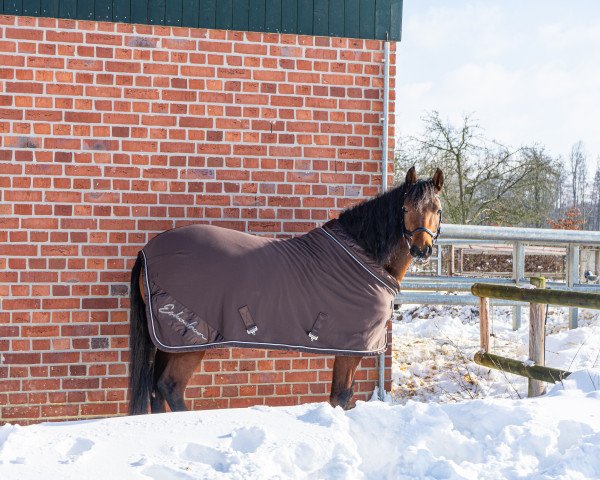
404	210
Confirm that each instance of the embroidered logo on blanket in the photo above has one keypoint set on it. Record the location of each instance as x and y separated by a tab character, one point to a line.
184	327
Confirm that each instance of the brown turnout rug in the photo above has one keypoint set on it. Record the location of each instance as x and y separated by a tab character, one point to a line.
210	287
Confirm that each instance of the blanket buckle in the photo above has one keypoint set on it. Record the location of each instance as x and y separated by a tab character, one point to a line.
252	330
314	331
251	327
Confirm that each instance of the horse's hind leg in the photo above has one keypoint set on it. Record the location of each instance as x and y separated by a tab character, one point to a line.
157	401
344	368
177	373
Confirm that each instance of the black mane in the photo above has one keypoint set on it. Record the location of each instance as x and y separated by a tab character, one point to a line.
376	224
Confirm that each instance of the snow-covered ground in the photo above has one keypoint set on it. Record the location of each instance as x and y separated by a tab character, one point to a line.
469	423
557	436
434	345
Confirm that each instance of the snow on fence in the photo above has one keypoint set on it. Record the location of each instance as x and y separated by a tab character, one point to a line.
538	298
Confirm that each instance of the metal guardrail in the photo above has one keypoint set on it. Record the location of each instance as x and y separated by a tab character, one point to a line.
516	234
420	289
464	284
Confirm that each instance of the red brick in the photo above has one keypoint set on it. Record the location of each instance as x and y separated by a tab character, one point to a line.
103	39
77	64
45	62
24	34
160	69
7	73
224	47
60	411
113	92
21	358
6	46
64	36
44	115
12	60
198	71
8	114
24	87
179	95
82	117
14	413
127	67
141	93
120	118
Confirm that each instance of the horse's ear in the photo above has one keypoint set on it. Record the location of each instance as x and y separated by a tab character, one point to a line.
411	176
438	180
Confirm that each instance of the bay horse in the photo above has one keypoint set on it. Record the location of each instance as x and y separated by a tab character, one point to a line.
391	230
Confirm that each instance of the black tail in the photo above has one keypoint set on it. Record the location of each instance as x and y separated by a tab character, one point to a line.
141	349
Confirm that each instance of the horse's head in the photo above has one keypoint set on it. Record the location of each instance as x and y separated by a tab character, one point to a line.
400	225
422	211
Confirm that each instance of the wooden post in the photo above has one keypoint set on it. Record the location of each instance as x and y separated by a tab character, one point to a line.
451	264
537	339
484	324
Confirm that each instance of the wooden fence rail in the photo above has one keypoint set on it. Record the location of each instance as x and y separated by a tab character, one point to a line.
517	367
565	298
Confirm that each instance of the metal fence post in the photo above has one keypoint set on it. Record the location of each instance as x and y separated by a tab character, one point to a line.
381	375
572	279
518	275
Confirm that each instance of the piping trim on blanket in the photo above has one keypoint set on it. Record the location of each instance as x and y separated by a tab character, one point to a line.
385	284
149	297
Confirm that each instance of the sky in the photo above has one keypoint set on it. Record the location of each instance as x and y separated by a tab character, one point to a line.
529	70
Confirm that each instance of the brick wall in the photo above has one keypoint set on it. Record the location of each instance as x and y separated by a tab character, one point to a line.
110	133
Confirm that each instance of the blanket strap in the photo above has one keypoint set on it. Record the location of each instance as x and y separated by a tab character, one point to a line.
314	332
251	327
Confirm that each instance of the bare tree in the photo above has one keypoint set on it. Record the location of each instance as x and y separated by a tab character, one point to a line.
539	188
484	178
562	201
578	170
594	218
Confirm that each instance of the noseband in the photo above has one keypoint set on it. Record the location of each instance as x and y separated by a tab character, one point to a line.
408	234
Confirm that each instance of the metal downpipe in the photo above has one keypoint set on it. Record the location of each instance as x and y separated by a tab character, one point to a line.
384	179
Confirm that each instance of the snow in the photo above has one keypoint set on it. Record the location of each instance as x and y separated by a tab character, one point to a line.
433	347
557	436
445	418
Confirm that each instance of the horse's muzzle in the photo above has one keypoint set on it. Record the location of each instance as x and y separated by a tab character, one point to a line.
421	255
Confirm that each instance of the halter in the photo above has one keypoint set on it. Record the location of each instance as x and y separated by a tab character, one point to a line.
409	234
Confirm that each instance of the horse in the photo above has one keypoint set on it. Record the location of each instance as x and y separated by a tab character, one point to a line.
388	231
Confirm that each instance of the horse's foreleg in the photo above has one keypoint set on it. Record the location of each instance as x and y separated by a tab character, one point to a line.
177	373
344	368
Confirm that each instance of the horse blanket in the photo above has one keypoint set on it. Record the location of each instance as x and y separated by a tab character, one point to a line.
210	287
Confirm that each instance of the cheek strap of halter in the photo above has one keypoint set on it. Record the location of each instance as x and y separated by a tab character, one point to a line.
409	234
